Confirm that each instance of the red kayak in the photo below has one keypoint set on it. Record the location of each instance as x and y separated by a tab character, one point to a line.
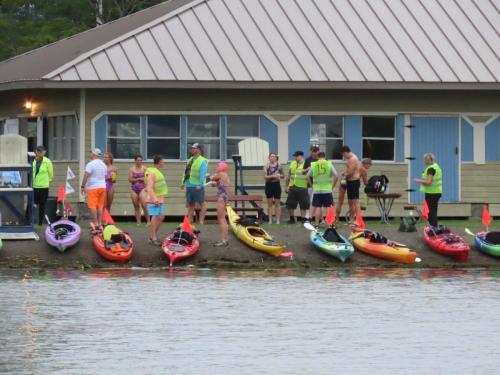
180	245
119	248
442	240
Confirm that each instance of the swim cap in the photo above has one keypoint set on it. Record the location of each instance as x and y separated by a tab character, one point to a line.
222	166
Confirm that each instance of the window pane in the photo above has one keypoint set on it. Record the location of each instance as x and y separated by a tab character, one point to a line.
203	126
164	126
242	126
124	126
333	147
326	126
232	147
210	148
378	127
378	149
74	141
124	148
169	148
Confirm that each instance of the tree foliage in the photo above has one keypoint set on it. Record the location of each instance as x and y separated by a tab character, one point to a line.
25	25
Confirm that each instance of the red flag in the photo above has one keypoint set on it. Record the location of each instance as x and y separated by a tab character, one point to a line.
186	225
359	220
67	208
330	216
425	211
486	218
61	195
106	217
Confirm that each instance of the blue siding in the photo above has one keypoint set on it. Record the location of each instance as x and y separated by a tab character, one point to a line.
223	137
400	143
438	135
144	136
183	137
467	143
493	140
353	132
269	133
299	135
101	132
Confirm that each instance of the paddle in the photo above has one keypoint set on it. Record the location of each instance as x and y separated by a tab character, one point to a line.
469	232
50	224
310	227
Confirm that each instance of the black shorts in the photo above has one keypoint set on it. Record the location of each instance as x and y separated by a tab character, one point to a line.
353	189
298	196
273	190
322	200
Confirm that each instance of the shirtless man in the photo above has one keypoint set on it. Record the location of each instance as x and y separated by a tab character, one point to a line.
352	174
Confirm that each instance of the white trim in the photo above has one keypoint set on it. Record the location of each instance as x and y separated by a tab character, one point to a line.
57	114
407	151
39	131
282	130
459	156
81	140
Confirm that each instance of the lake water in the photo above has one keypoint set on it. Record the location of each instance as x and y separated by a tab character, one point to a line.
282	322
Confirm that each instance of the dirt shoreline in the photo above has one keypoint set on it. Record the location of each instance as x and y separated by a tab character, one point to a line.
37	254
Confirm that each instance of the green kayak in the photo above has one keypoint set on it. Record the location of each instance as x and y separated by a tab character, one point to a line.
488	242
1	244
332	243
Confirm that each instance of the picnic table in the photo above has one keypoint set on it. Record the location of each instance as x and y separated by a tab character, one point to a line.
384	203
237	199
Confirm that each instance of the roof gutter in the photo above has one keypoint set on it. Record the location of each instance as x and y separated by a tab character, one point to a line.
250	85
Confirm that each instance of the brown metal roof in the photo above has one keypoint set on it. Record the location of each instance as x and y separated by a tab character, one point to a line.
277	43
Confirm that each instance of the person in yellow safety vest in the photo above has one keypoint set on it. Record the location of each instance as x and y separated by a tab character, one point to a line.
156	190
324	177
296	188
432	186
193	181
43	172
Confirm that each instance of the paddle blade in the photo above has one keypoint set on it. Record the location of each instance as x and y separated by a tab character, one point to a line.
309	226
359	220
469	232
61	194
425	211
106	217
330	216
486	218
186	225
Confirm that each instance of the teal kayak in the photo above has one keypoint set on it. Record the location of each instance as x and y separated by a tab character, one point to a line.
332	243
1	244
488	242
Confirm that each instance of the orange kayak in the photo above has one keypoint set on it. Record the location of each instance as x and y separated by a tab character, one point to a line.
383	248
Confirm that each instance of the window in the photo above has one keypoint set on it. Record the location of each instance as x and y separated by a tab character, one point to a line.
124	136
164	134
205	130
328	133
62	137
239	128
379	137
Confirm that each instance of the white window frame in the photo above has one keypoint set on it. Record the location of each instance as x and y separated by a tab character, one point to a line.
53	137
108	137
393	139
240	138
312	140
148	138
219	138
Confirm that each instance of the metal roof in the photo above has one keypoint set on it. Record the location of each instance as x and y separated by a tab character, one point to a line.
300	41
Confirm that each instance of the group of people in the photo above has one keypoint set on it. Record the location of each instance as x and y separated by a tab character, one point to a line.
310	182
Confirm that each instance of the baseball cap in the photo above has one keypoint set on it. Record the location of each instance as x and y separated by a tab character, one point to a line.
314	146
298	153
41	148
196	145
96	151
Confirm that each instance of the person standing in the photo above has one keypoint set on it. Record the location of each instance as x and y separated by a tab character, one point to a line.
136	177
432	186
94	184
194	182
156	189
296	188
313	156
323	178
366	164
352	174
221	180
273	173
43	172
111	175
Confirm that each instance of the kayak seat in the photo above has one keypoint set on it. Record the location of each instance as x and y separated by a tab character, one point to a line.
60	233
124	245
182	237
110	244
441	229
450	239
493	237
247	222
331	235
377	238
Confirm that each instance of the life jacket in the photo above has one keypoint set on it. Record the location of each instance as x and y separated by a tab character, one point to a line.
160	187
321	173
297	178
436	186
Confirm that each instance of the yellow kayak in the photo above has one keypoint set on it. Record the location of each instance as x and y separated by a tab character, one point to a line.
253	235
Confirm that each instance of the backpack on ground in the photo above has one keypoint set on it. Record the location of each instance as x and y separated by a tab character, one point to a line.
377	184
